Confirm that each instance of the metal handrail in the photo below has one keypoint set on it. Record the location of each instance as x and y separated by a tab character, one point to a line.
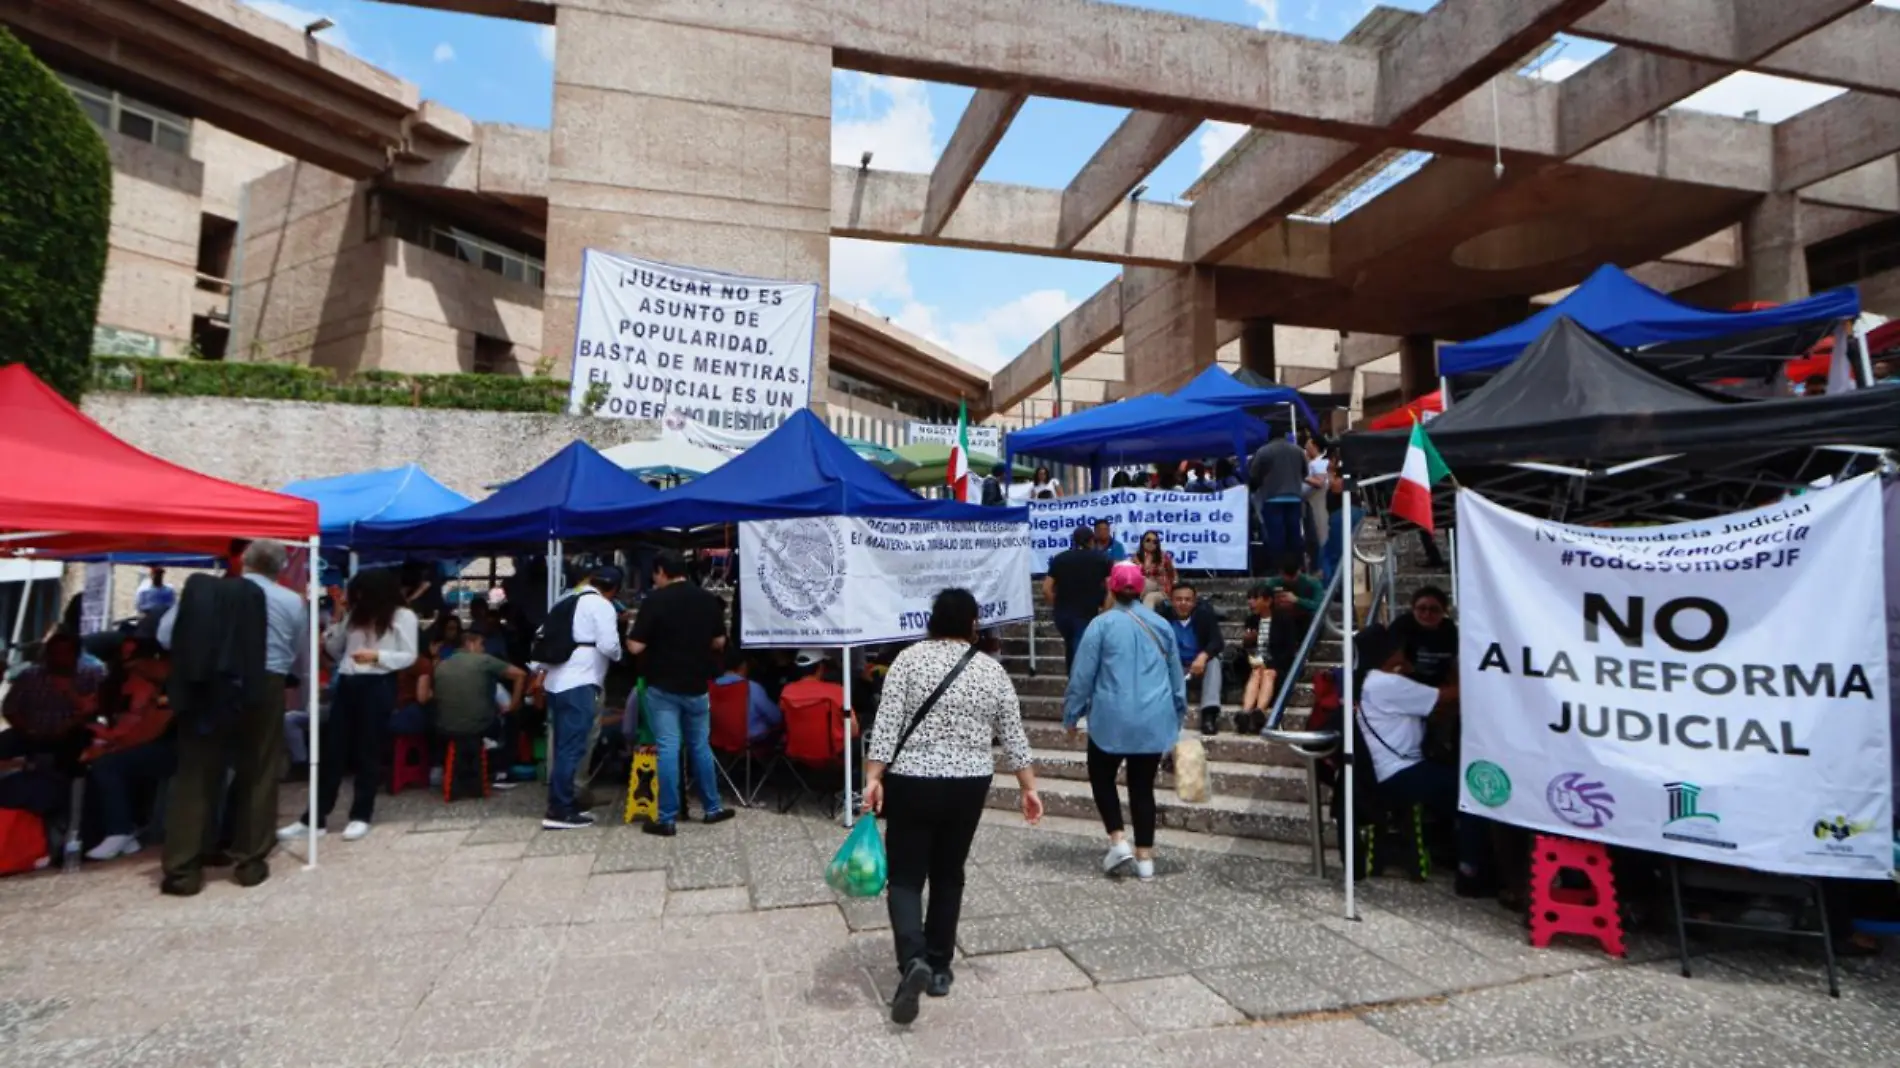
1313	631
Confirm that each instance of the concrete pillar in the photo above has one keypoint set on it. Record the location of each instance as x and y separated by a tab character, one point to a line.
1256	347
1776	258
1418	366
1168	328
717	157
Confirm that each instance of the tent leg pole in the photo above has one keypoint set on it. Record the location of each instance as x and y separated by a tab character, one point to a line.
1444	393
353	563
555	574
313	591
1451	544
19	617
1349	722
850	810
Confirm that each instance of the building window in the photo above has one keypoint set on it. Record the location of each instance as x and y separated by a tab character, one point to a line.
917	406
492	355
110	109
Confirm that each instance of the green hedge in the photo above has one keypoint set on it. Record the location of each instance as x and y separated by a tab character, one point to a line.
269	381
55	210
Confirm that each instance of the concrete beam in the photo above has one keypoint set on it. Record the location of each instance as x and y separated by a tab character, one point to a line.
1131	153
985	120
1283	171
1871	186
1722	249
1357	350
1833	137
1083	332
1847	44
538	11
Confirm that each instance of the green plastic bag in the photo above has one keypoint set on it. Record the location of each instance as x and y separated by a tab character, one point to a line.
859	868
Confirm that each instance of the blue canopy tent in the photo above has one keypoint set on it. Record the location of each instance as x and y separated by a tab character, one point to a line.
391	495
1628	313
1140	430
1217	388
799	470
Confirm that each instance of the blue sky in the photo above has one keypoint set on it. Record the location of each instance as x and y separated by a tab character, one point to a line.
983	306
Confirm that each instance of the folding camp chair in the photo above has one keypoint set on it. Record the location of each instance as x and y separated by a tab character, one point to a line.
731	740
814	742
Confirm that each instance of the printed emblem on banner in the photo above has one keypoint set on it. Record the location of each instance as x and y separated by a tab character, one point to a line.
1684	801
1580	802
1840	829
803	568
1489	783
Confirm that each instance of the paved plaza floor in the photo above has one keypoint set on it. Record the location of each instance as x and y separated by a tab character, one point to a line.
465	935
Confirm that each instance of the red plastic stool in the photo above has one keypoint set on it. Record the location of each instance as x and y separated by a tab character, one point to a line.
469	779
1591	913
409	762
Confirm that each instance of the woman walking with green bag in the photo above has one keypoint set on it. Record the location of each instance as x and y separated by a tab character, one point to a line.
928	773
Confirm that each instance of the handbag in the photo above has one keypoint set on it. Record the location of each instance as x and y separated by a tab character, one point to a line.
1187	761
929	703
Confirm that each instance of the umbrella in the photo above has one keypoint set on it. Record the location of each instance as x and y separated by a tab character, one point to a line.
884	459
932	465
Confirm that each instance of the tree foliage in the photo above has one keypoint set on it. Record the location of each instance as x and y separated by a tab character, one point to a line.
55	211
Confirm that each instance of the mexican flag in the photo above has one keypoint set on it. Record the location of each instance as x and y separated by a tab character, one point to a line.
1424	468
958	470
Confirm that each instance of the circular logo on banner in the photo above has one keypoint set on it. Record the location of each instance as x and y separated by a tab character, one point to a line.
1580	802
1489	783
803	570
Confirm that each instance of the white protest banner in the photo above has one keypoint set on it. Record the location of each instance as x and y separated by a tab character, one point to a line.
984	439
838	581
1204	531
683	345
1715	690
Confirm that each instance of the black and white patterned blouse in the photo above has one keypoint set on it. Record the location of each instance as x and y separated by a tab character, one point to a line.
954	739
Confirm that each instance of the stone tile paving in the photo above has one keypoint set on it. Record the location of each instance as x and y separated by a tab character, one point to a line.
467	936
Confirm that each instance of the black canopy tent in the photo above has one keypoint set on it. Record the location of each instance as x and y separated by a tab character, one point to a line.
1627	442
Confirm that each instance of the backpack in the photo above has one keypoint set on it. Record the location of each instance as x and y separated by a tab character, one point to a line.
993	493
554	638
22	842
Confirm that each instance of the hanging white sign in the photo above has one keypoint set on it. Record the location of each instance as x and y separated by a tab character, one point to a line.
1203	531
984	439
686	346
835	581
1715	690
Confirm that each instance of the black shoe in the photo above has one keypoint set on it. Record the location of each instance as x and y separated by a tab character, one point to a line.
249	875
173	887
566	821
720	816
660	830
940	983
909	989
1210	721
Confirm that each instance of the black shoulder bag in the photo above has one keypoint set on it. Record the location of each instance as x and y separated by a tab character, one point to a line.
930	703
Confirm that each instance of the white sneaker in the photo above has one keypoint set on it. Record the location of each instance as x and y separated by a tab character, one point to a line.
1117	857
1144	870
292	831
114	845
356	830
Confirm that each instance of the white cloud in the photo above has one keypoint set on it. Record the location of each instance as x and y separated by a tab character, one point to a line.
993	336
444	52
865	271
892	119
1216	138
1772	99
1269	13
544	41
300	17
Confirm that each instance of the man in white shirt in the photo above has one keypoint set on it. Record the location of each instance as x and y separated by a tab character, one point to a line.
153	595
1392	710
573	689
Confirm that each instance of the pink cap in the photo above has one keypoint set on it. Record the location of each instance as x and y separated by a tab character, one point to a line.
1126	578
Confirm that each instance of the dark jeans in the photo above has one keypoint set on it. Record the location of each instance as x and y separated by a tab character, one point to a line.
64	749
252	748
1142	768
1436	787
115	777
1282	529
356	733
929	824
1071	625
573	713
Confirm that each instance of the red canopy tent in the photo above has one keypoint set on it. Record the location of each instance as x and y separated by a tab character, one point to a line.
1404	416
71	487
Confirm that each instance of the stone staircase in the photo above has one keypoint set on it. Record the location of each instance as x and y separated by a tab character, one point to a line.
1258	789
